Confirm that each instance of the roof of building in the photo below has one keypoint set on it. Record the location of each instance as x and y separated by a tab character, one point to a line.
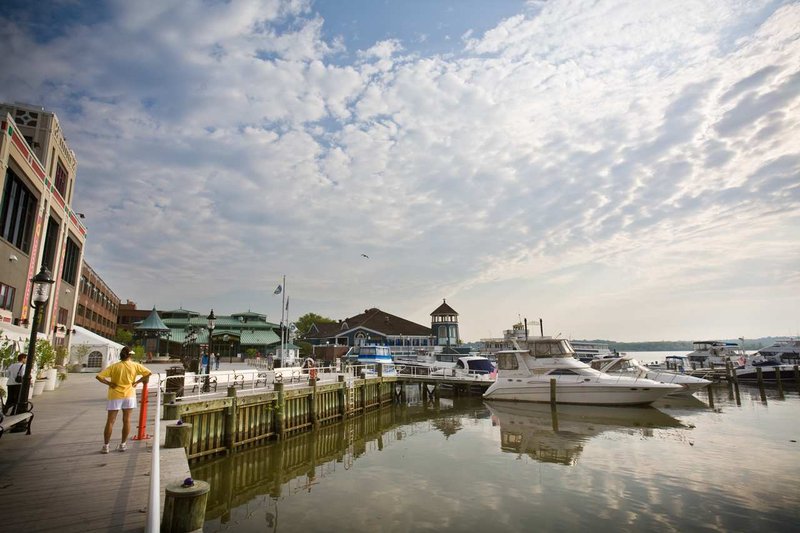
444	309
373	319
152	323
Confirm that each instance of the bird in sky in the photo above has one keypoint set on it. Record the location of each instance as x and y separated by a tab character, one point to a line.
365	255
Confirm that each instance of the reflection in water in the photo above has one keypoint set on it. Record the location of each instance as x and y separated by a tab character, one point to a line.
558	436
299	462
460	465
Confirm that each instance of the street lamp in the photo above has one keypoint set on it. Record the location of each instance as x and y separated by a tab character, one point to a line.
212	321
225	340
39	296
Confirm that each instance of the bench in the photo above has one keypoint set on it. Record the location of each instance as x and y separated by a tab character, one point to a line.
238	379
200	381
7	422
261	378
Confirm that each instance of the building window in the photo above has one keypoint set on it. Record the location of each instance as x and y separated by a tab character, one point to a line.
63	315
61	179
7	296
71	258
17	212
50	242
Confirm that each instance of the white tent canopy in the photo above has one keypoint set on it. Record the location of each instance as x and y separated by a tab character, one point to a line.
93	351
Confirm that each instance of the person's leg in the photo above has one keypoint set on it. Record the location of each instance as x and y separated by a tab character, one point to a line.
112	417
126	424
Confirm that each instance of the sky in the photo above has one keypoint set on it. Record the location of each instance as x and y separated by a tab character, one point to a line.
624	170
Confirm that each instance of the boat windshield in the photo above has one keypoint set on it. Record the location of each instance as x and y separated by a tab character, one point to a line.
481	365
551	348
507	361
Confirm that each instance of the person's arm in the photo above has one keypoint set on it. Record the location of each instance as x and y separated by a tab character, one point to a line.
104	377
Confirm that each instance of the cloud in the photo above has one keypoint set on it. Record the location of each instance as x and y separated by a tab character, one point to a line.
595	145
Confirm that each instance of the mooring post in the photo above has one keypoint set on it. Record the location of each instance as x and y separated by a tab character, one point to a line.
779	380
230	420
342	396
735	383
313	404
553	392
710	396
797	376
178	435
760	379
185	506
281	410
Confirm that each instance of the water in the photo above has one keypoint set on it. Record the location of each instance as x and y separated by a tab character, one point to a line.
467	465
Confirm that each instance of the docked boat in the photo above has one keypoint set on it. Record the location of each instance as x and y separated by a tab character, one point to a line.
560	437
626	365
714	353
370	357
784	351
524	375
587	351
778	358
467	366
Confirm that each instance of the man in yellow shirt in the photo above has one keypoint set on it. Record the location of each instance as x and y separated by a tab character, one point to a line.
121	381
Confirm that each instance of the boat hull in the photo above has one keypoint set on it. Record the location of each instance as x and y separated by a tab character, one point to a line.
579	392
768	373
689	384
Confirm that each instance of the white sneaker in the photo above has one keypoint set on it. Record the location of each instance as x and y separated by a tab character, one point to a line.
106	448
122	446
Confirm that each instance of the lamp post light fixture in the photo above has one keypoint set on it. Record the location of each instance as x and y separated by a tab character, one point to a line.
39	295
212	321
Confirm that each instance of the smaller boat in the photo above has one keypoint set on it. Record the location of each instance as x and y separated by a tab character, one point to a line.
468	366
370	357
626	365
587	351
714	353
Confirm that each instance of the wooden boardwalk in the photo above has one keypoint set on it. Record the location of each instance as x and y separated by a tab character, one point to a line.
56	479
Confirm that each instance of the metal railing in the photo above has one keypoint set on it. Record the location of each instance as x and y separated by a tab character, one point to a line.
154	499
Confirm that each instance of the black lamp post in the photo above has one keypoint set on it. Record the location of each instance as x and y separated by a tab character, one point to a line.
39	296
212	320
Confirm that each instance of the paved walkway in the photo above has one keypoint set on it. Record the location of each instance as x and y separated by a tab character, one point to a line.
57	479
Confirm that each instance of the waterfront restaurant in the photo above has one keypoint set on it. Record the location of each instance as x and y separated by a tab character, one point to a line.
234	337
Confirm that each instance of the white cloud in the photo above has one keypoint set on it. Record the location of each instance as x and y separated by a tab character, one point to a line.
579	161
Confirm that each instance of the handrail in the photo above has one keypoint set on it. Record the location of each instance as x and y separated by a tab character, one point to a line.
154	498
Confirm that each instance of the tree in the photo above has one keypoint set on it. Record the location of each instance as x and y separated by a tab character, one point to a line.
123	337
305	322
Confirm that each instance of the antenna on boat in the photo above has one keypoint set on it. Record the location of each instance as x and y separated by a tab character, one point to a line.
541	327
526	329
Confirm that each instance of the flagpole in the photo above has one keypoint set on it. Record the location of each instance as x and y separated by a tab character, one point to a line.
283	323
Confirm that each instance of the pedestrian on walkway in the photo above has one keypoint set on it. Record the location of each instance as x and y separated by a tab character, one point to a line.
216	361
15	373
120	378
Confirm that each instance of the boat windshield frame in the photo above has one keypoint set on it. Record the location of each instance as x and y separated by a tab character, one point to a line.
550	348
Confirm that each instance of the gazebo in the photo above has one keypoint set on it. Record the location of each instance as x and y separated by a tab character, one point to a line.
152	330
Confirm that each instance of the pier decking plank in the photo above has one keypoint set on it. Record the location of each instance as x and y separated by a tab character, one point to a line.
57	479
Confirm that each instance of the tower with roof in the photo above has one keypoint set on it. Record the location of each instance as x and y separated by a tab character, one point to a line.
444	325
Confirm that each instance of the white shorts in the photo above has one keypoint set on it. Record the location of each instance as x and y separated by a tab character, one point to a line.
125	403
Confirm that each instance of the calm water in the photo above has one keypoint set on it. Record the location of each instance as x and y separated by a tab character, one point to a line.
466	465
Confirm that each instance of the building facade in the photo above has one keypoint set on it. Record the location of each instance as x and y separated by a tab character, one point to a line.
97	304
37	223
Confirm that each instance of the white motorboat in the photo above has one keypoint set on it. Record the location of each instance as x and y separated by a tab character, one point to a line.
587	351
626	365
524	375
467	366
713	353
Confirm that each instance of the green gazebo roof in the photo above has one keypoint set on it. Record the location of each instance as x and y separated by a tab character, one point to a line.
153	323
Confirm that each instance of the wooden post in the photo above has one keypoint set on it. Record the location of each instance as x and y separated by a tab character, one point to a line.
778	380
760	379
185	507
797	377
553	392
178	435
710	390
363	394
313	405
171	411
230	420
342	397
735	382
281	410
168	397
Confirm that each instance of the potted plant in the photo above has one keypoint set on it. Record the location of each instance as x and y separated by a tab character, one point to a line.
45	357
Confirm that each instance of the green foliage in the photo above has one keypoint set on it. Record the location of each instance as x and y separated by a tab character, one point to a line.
137	354
123	336
8	353
251	353
305	348
80	353
61	355
45	354
305	322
